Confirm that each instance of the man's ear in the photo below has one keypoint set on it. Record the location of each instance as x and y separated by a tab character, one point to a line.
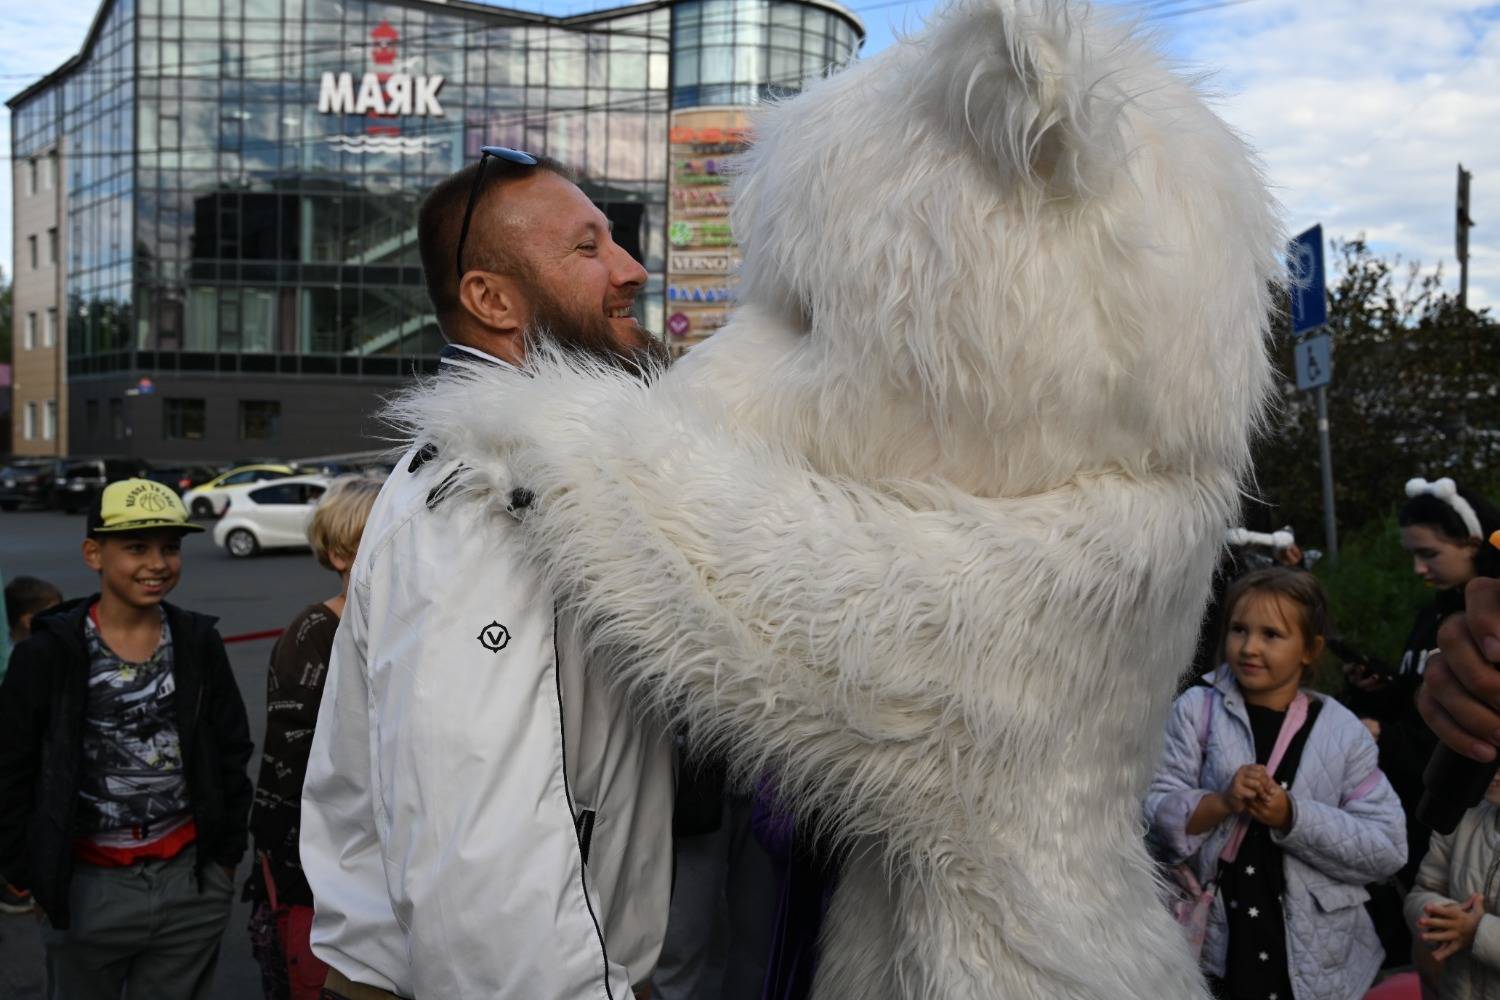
495	300
91	554
497	306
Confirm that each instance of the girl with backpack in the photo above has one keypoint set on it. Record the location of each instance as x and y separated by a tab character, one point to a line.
1270	794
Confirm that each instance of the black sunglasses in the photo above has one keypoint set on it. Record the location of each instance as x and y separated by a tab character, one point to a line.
515	156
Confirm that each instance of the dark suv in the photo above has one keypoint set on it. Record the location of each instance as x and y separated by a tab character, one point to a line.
81	479
27	482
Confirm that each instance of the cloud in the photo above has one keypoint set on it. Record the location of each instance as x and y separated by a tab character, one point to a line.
1361	112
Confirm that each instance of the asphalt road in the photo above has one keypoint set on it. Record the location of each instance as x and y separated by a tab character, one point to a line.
251	595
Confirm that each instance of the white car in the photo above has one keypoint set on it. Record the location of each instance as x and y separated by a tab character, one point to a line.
272	515
209	499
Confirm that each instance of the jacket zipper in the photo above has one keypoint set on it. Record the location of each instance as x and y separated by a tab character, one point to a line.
579	827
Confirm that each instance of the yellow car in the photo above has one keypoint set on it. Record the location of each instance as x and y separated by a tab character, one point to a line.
210	498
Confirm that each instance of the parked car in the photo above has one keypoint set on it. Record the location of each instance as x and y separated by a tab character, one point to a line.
182	477
80	480
272	515
210	499
28	482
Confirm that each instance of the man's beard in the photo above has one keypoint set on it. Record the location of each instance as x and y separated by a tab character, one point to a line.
591	336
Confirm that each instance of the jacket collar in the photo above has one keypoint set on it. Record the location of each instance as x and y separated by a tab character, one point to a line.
1222	680
66	620
463	354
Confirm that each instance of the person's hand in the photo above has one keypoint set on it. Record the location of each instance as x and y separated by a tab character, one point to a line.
228	871
1460	691
1450	927
1243	788
1271	805
1362	678
1290	556
1373	727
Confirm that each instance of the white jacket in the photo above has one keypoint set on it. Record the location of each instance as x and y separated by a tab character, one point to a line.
464	765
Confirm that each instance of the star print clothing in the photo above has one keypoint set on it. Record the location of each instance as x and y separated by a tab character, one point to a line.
1347	831
294	687
132	791
1256	967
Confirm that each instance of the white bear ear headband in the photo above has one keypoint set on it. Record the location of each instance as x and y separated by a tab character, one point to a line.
1446	490
1278	540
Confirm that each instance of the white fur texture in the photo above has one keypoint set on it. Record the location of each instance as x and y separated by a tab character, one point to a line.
926	531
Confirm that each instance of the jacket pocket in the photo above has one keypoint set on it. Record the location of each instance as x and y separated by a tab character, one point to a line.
1334	896
583	825
1336	916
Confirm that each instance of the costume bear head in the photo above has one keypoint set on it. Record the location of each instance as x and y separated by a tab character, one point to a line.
1005	252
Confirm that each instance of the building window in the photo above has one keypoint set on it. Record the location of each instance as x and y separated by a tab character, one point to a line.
117	418
184	419
52	245
29	339
31	247
260	420
91	417
28	423
49	332
49	420
31	176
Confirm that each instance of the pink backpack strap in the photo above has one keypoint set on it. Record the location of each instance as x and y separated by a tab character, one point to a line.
1296	717
1205	717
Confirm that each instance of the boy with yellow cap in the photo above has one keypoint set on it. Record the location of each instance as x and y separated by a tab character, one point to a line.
123	746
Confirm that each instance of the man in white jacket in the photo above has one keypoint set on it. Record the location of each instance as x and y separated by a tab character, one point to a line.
482	817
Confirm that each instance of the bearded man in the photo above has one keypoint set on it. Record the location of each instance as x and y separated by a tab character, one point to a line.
482	817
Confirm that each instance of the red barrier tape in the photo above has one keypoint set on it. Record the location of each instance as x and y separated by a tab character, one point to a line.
254	636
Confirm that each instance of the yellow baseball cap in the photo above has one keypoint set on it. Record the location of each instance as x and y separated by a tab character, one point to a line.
138	505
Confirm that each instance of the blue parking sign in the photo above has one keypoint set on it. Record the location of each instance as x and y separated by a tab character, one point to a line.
1304	264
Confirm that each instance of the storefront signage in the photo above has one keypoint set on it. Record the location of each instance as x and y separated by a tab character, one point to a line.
701	263
400	94
702	257
730	136
697	294
381	92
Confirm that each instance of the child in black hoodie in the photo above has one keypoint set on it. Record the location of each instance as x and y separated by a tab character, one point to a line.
123	747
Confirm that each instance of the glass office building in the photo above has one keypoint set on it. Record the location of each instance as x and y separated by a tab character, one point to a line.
238	182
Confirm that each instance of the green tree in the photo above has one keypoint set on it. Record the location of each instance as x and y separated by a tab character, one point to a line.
1414	393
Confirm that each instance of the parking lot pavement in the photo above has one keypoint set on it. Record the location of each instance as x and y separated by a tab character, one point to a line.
247	595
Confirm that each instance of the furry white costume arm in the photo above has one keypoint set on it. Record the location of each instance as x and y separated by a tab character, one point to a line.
828	630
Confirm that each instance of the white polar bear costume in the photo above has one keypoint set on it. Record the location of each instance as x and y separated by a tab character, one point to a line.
926	530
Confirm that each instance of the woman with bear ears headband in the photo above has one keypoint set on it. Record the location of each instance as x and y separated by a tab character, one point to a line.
1443	527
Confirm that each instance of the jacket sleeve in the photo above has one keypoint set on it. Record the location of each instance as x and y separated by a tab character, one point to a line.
1431	885
232	737
23	723
1173	794
1361	838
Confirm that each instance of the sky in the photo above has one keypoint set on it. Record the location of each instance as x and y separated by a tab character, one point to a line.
1360	109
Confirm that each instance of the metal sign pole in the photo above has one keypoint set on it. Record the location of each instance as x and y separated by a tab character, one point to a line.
1325	455
1313	357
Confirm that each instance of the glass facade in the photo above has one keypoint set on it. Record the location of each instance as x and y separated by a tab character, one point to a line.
736	53
243	176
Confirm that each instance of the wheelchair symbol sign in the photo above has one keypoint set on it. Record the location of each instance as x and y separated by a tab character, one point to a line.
1314	367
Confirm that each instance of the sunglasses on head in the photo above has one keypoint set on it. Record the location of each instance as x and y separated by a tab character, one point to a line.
515	156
